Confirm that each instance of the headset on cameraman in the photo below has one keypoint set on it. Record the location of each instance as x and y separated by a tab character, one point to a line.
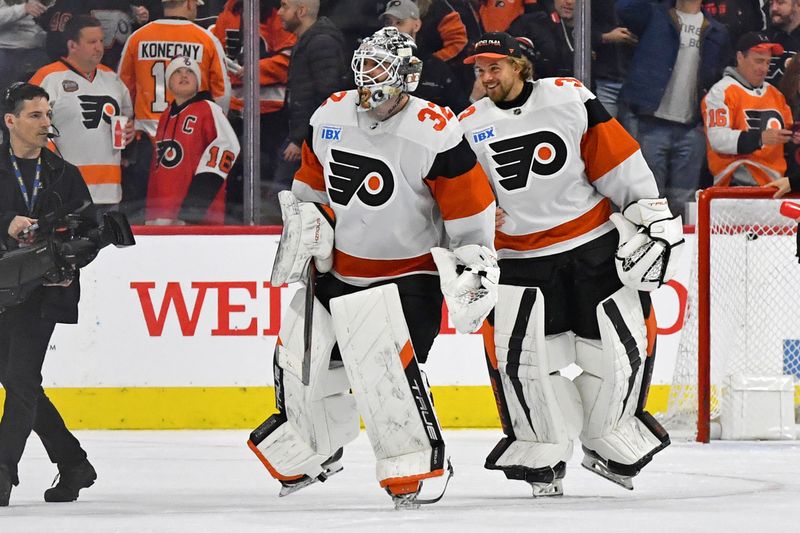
12	96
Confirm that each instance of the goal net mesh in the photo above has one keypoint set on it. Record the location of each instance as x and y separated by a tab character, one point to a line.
754	306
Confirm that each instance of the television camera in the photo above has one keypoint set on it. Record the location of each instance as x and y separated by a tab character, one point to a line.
55	248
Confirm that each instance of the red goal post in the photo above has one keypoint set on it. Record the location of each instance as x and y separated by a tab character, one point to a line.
704	231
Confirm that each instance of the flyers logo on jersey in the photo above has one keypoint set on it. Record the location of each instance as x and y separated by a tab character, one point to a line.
763	119
169	153
96	108
355	175
542	154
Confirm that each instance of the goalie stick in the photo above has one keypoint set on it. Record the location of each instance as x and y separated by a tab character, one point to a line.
308	322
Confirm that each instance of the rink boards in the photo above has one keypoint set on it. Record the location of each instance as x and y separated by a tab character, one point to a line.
179	331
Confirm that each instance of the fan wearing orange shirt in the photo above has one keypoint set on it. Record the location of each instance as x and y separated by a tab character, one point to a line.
142	69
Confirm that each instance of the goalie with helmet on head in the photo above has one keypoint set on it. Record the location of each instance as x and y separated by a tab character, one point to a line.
574	277
396	178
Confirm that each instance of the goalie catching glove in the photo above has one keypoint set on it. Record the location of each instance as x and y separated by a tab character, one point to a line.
650	244
472	293
307	233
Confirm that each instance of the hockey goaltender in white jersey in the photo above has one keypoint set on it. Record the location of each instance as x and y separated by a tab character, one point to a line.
557	161
396	178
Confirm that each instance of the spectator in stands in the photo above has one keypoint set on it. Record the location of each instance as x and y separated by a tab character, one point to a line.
790	88
612	50
783	29
437	82
498	16
552	35
669	73
747	119
468	11
739	16
21	41
355	19
119	19
318	69
144	58
84	96
442	34
275	50
196	148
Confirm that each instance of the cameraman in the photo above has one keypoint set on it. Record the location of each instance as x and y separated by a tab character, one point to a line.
34	182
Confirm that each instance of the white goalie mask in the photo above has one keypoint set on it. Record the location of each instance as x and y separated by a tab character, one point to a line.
384	66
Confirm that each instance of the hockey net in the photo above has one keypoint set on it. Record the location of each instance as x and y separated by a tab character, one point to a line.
743	310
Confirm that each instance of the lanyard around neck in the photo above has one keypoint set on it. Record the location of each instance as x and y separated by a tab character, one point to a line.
30	201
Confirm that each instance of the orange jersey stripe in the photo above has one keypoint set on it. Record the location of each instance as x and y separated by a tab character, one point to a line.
464	195
42	73
604	146
310	171
595	217
359	267
101	174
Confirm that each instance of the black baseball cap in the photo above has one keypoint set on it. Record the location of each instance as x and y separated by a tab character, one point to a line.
495	45
759	42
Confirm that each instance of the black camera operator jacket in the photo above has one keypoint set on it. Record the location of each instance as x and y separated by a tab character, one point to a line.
63	184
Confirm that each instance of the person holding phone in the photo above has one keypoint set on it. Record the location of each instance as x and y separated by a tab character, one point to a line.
746	119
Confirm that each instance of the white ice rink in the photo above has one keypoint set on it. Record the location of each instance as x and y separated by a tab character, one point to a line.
208	481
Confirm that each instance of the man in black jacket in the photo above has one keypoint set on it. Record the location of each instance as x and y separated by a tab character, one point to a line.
317	69
34	182
438	82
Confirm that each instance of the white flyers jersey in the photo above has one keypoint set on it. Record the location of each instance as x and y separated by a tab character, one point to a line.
556	163
82	111
396	188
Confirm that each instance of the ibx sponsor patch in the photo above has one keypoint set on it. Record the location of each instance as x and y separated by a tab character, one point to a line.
483	135
331	133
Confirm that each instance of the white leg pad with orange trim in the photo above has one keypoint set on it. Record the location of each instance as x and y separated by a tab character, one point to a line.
391	394
611	382
314	420
544	407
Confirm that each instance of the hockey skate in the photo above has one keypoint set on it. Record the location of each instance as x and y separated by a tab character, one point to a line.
330	467
598	465
544	489
410	500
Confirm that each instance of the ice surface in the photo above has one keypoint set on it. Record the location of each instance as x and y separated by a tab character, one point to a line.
208	481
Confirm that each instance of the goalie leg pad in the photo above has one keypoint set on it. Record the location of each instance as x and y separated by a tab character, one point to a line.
314	421
613	387
542	408
391	394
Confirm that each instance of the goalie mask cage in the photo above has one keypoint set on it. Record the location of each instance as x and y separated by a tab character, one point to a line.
743	310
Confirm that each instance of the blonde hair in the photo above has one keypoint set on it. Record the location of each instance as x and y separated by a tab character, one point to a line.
525	67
